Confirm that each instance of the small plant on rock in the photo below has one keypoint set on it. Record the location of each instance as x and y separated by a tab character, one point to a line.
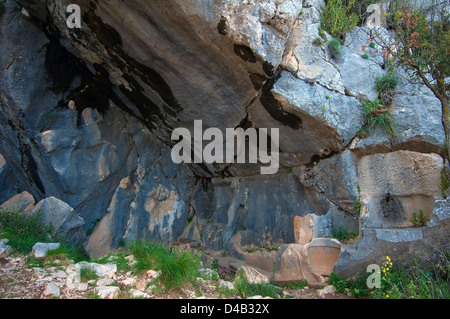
385	86
421	220
334	46
377	115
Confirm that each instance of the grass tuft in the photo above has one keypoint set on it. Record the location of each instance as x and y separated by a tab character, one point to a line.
177	268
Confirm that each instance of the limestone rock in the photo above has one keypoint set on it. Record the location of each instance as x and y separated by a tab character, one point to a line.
23	201
5	250
252	275
51	290
107	292
40	250
63	218
303	229
326	291
135	293
396	185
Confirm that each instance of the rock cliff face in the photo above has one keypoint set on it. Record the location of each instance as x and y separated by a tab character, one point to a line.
137	70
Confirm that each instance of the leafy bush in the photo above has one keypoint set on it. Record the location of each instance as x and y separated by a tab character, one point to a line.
334	46
338	17
377	115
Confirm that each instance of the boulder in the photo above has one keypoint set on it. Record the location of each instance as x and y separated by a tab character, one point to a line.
252	275
40	250
21	202
51	290
64	220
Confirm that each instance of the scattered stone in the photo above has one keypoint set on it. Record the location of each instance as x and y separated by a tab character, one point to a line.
226	284
40	250
51	290
5	250
106	270
105	282
127	283
152	275
107	292
252	275
135	293
206	272
327	290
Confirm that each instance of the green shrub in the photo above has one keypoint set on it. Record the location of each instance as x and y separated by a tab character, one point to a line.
87	274
23	230
357	287
177	268
385	86
414	282
342	234
318	41
421	220
245	289
365	56
337	17
377	115
334	46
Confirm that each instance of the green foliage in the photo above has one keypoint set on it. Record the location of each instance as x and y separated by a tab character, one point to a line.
318	41
177	268
357	205
22	230
414	282
87	274
342	234
297	285
357	288
444	185
421	220
377	115
334	46
365	56
245	289
385	86
118	259
338	17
